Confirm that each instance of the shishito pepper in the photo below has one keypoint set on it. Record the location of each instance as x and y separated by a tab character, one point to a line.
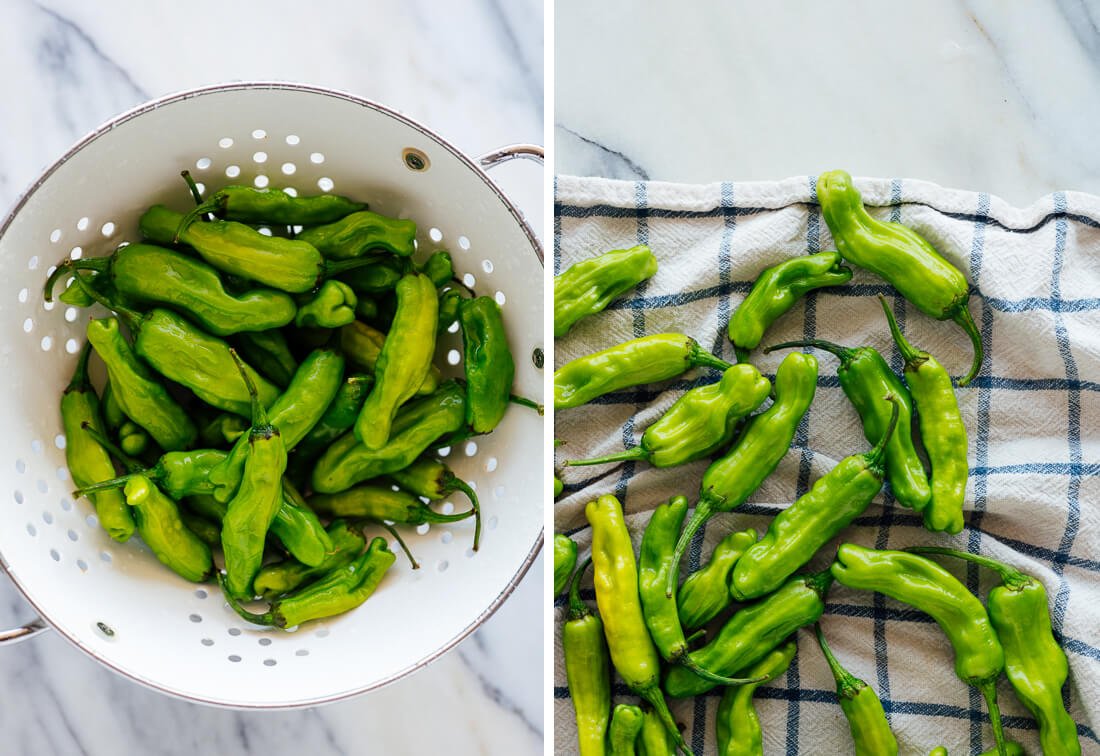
645	360
331	307
433	480
357	234
279	578
159	524
185	473
377	278
404	362
942	431
616	580
439	267
338	418
383	504
654	739
776	290
269	353
590	285
923	584
247	204
737	724
133	439
701	421
626	724
362	345
900	255
147	274
450	302
862	708
339	591
487	363
706	591
587	672
88	461
565	558
1034	662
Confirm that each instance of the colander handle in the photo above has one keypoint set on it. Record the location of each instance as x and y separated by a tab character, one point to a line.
511	152
29	630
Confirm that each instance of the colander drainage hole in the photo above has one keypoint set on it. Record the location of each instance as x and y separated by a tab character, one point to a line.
423	529
234	658
41	486
493	522
225	143
447	508
443	565
71	314
464	243
443	451
82	224
55	235
234	631
471	449
470	553
447	536
538	358
486	265
232	171
106	629
72	346
82	565
31	530
66	504
47	518
28	325
108	228
23	295
105	556
322	633
92	521
260	182
500	298
73	536
259	134
316	158
270	662
469	280
325	184
453	327
289	169
200	593
435	235
292	139
18	497
453	357
20	466
302	652
491	464
76	253
33	262
37	446
265	641
195	617
59	440
207	641
54	555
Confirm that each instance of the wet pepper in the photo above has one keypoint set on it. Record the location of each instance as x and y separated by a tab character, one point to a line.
775	292
591	285
565	558
738	725
645	360
338	418
439	267
587	673
706	591
246	204
276	579
433	480
626	724
270	353
331	307
357	234
362	345
162	528
383	504
1034	662
942	431
701	421
900	255
487	363
923	584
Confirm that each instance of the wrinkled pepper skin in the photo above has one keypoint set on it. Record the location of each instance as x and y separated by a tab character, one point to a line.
565	558
415	427
738	725
753	632
654	739
862	708
626	725
924	585
362	345
159	524
269	353
142	397
648	359
178	474
404	362
246	204
332	306
706	591
279	578
797	532
357	234
732	479
591	285
382	503
1034	662
487	362
615	578
88	461
338	418
433	480
587	671
942	430
439	268
701	422
866	379
775	292
899	255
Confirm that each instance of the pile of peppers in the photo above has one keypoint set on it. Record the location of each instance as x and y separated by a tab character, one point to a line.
271	393
734	623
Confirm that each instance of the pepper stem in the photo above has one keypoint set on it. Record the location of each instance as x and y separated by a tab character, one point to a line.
430	515
703	510
700	357
80	380
636	453
874	457
525	402
132	318
688	663
267	618
847	684
1010	576
105	485
131	464
989	692
460	485
913	357
192	186
843	353
741	353
68	265
577	608
700	633
259	414
963	318
401	542
211	205
656	699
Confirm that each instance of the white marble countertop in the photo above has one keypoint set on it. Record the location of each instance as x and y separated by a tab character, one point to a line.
472	71
993	97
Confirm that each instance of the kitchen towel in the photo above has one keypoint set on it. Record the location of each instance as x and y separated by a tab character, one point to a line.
1032	414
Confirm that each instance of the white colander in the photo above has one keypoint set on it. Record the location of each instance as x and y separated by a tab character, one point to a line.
115	601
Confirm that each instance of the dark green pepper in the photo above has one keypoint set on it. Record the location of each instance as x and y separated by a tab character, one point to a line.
738	726
706	592
270	353
565	558
646	360
776	290
584	650
159	524
899	255
439	268
450	302
279	578
357	234
376	278
383	504
488	363
590	285
626	724
433	480
224	428
338	418
701	421
362	345
331	307
113	416
246	204
205	530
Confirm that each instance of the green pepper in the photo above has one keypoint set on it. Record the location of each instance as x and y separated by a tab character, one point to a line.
147	274
433	480
633	363
357	234
75	295
338	418
246	204
924	585
866	379
797	532
415	428
339	591
942	432
584	650
139	393
133	439
633	653
439	268
258	498
279	578
223	428
589	286
626	724
701	421
1034	662
450	302
654	739
331	307
776	290
383	504
731	479
706	592
738	726
269	353
206	531
753	632
185	473
404	362
376	278
899	255
164	532
1012	748
362	345
862	708
366	308
88	461
565	558
488	363
113	416
558	487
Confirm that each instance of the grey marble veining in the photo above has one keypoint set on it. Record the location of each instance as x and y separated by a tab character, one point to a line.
473	72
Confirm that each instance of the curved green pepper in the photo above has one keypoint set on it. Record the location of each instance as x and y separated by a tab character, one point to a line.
205	530
450	302
269	353
113	416
942	432
338	418
654	739
587	673
246	204
899	255
626	724
383	504
589	286
356	234
362	345
866	379
375	278
439	268
565	558
706	592
776	290
433	480
331	307
797	532
184	473
646	360
488	363
738	726
159	524
279	578
923	584
701	421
